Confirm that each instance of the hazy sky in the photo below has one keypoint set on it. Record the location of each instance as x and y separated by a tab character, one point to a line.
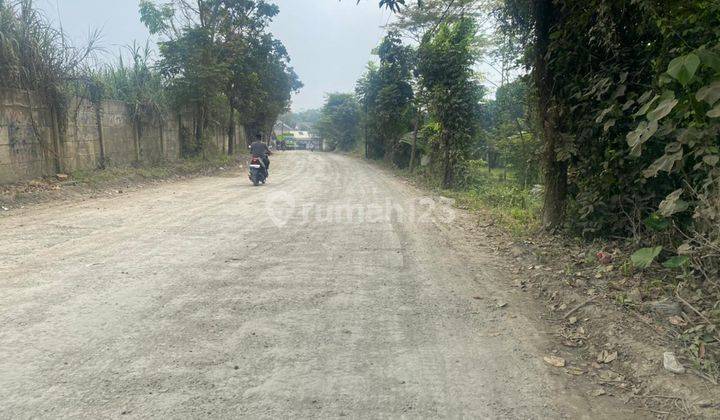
329	41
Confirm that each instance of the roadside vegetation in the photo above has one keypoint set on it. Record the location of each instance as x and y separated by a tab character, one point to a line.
601	122
214	61
102	178
113	179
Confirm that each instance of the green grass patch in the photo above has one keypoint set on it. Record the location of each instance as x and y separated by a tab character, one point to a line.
111	174
494	191
512	207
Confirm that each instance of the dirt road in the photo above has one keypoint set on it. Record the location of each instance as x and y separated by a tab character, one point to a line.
334	290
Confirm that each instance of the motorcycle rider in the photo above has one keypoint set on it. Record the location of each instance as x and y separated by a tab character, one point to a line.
260	149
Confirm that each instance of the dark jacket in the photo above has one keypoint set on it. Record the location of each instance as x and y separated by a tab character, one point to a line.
259	149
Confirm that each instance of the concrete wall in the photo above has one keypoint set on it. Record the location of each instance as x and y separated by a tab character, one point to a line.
25	148
30	147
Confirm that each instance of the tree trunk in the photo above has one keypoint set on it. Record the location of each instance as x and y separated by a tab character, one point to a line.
200	130
448	167
555	171
365	127
231	132
524	149
101	137
136	138
413	151
162	137
389	149
57	142
199	136
182	149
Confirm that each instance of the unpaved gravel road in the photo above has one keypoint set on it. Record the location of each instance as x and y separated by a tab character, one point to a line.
186	300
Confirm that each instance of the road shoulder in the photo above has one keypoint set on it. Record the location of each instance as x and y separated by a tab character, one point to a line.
609	351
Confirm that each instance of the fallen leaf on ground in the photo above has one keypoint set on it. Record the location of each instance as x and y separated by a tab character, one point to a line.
554	361
575	371
671	363
604	257
570	343
606	356
598	392
676	320
610	376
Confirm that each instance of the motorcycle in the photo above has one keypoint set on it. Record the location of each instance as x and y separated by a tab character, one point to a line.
257	172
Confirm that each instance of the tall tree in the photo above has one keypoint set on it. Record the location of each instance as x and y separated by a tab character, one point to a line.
277	82
367	90
417	19
530	23
219	60
445	66
339	121
555	168
190	58
386	94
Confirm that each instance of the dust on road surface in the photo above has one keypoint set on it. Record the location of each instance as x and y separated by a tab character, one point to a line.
187	300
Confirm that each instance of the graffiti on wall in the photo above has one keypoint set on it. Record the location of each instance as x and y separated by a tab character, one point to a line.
21	136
